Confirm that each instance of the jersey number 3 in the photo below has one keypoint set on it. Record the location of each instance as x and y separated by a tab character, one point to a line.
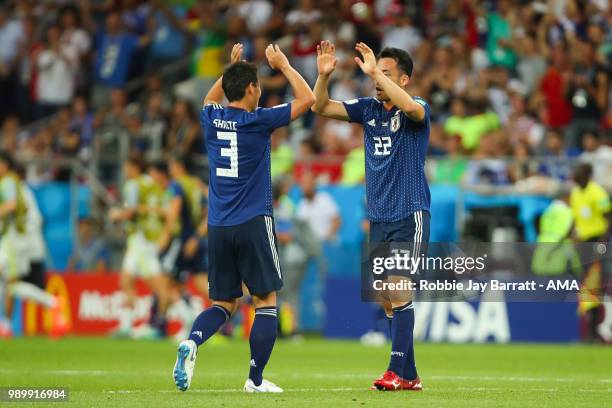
231	152
382	146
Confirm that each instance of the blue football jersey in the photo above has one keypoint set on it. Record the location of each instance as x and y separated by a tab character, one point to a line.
238	146
188	228
395	150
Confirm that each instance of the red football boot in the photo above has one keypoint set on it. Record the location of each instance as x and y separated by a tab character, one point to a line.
412	385
5	330
59	324
388	382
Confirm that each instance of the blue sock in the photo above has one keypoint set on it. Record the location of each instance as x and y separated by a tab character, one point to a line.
157	319
402	327
207	323
263	336
390	322
153	311
410	371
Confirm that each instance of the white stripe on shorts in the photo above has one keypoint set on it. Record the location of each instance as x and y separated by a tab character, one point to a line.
272	244
418	232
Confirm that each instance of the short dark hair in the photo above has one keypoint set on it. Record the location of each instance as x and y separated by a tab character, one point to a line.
160	165
86	220
236	78
584	170
7	158
593	131
70	9
135	159
403	59
181	159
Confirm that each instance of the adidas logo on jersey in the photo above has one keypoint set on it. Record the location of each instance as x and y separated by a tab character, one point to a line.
252	363
372	122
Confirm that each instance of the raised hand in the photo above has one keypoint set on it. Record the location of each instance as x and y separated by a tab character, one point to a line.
276	58
236	54
368	65
326	58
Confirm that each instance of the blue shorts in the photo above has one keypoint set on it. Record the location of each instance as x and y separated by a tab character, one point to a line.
410	234
243	253
198	263
414	228
178	266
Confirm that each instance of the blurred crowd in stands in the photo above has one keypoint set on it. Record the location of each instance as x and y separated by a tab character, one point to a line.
522	80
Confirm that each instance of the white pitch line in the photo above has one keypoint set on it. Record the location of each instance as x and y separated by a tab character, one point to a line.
359	389
318	375
60	372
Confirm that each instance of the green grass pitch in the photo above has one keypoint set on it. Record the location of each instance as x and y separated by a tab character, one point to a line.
314	373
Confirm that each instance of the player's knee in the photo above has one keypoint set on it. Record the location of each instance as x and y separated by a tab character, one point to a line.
156	283
399	299
229	305
388	307
264	300
126	280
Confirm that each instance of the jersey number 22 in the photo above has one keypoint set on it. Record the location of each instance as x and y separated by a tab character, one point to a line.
382	146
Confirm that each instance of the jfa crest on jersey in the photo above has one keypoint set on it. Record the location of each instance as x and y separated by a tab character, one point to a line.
395	122
238	147
395	147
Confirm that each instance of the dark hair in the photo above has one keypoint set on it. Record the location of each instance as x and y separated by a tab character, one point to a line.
594	132
181	159
48	28
160	166
236	78
20	171
86	220
135	159
554	131
70	9
403	59
7	158
190	110
583	170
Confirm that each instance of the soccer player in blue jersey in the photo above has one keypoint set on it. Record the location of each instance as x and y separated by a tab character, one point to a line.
241	237
396	131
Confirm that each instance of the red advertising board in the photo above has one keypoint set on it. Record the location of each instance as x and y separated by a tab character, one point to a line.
94	302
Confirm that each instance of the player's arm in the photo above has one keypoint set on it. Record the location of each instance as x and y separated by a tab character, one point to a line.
604	204
304	98
7	208
9	191
171	217
192	244
336	222
397	95
202	229
127	212
130	209
215	93
118	214
326	63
